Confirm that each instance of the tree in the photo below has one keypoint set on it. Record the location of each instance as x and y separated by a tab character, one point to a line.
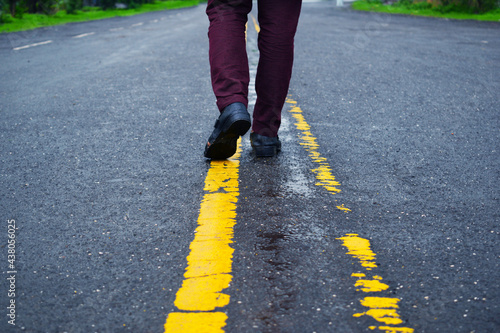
12	7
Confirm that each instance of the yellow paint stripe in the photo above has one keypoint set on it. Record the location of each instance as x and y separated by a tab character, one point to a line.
255	24
196	322
389	329
382	309
345	209
386	316
358	274
209	267
380	302
323	171
371	285
360	248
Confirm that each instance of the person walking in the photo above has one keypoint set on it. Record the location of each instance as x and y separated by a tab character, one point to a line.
229	71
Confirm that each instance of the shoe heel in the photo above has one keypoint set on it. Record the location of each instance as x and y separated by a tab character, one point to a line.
239	123
240	127
265	151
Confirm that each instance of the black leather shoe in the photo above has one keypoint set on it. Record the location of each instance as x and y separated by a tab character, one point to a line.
233	122
265	146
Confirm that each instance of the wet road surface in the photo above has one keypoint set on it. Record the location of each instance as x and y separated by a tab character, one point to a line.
379	215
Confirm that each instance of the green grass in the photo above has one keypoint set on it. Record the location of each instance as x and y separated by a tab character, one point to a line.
421	10
32	21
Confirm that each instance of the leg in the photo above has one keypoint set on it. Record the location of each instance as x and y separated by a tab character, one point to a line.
278	21
229	71
227	52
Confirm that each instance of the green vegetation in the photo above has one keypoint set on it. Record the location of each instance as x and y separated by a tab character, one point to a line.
26	21
482	11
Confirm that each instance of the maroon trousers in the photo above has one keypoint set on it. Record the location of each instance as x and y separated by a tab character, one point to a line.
229	63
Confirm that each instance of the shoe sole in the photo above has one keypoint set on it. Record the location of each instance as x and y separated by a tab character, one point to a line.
224	145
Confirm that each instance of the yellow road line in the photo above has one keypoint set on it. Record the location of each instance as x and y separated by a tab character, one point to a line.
209	267
382	309
323	171
255	24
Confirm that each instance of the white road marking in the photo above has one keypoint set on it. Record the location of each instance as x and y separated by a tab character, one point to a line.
137	24
84	35
31	45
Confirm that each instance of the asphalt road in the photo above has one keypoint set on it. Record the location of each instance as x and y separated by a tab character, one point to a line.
102	176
